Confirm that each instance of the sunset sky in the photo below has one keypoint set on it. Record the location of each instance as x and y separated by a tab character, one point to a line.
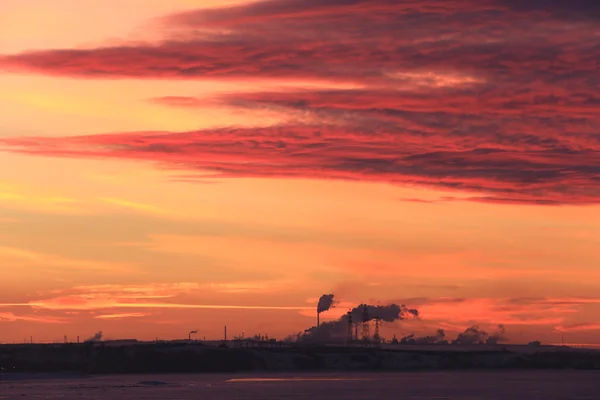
169	165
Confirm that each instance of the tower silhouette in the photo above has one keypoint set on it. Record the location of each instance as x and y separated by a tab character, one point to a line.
349	326
366	334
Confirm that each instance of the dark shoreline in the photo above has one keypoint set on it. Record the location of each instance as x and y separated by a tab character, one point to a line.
80	360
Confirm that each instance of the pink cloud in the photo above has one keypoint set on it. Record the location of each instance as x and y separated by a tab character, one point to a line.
488	311
149	296
10	317
492	97
59	303
121	316
460	313
179	101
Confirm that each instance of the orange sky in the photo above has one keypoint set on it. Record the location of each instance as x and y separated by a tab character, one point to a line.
94	237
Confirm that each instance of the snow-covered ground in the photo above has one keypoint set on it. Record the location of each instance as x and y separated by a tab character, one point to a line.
505	385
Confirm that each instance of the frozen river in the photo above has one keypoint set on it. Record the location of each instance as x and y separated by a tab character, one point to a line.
504	385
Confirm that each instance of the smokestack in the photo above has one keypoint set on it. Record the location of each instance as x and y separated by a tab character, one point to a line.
225	332
349	326
318	322
341	328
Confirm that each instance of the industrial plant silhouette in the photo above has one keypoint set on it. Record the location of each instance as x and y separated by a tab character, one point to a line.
351	342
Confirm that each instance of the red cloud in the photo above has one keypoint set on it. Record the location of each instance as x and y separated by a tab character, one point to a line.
474	96
552	175
508	311
357	40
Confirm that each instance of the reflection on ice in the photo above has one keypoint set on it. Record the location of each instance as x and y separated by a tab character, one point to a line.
299	379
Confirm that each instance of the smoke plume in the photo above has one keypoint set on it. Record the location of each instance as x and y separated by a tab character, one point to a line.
438	338
388	313
325	303
474	335
337	330
97	337
497	337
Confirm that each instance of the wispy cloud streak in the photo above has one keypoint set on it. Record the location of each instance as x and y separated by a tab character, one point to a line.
58	304
579	327
11	317
121	316
149	296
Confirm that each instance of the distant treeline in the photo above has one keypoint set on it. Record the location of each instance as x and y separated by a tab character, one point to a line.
177	358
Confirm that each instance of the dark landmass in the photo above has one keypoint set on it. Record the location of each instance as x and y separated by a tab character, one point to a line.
183	357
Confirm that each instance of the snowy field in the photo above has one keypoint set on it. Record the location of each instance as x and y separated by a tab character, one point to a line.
509	385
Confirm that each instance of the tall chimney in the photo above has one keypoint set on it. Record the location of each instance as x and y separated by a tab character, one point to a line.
225	332
318	318
349	327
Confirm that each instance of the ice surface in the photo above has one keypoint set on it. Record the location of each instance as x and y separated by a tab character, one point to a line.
488	385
